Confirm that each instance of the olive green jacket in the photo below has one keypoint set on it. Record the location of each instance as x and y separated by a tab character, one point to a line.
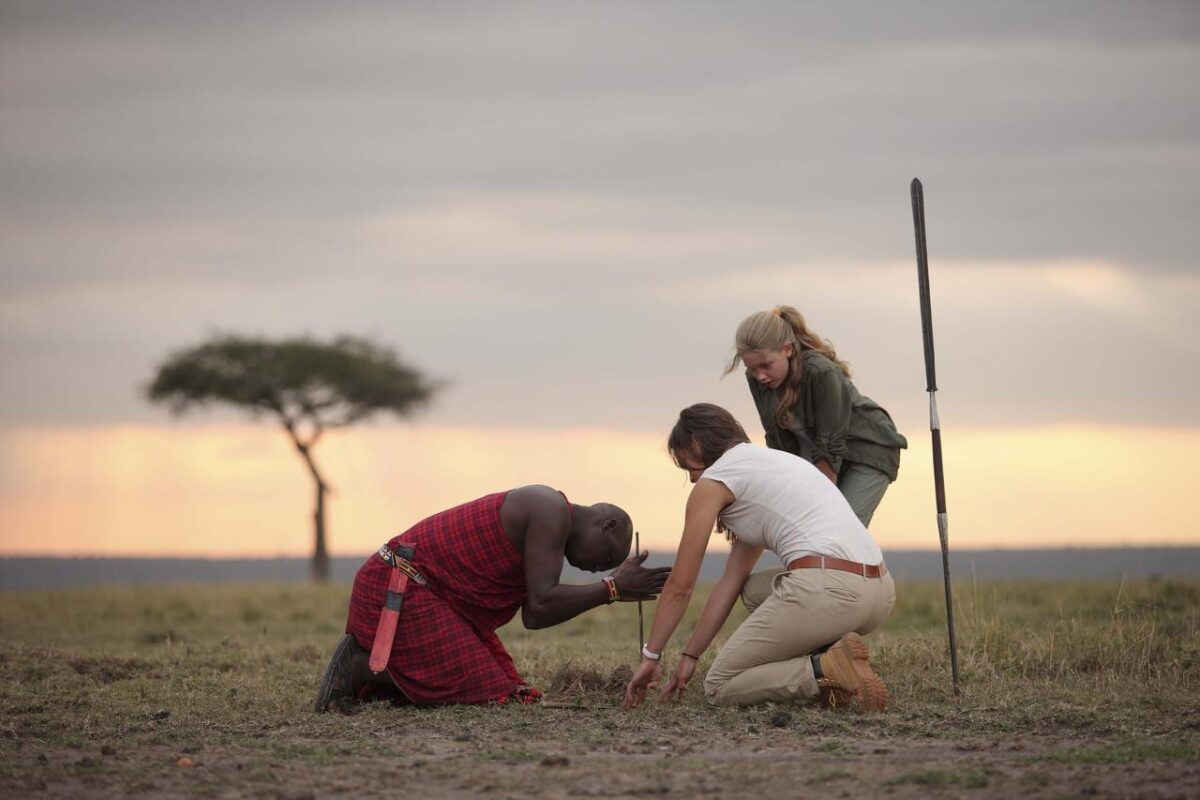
831	421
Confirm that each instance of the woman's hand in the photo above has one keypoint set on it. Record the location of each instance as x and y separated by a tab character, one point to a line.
676	688
648	675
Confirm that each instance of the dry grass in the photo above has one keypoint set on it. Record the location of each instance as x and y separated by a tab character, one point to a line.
103	691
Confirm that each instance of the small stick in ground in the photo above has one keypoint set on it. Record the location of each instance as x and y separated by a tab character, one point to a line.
637	546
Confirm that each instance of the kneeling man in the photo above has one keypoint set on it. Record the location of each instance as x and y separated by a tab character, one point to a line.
427	605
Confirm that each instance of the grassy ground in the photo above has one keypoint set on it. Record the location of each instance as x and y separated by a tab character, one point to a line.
1068	689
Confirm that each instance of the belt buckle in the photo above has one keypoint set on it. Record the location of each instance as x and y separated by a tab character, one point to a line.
401	559
410	569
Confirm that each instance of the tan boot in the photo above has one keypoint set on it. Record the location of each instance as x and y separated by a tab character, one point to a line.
847	676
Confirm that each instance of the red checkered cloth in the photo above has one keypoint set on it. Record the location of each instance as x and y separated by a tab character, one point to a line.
446	648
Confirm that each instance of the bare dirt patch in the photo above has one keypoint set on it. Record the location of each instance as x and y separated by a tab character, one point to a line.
540	752
107	670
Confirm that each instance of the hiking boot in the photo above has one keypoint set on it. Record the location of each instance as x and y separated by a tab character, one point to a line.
337	684
848	676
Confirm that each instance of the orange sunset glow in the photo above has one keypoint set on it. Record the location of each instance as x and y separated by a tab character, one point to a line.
239	490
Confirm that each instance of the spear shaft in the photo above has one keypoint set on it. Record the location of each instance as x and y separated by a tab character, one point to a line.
935	428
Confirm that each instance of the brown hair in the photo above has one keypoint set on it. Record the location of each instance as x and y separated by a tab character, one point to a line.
709	428
771	330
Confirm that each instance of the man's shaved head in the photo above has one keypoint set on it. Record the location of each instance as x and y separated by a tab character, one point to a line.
600	537
623	532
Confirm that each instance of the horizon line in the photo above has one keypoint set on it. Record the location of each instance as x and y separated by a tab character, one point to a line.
306	557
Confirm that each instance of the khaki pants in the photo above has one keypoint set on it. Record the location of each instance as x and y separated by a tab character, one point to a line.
794	613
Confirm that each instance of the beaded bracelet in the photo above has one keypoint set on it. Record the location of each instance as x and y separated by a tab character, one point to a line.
611	584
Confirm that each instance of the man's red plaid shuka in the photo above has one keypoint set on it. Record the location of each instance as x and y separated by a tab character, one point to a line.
446	649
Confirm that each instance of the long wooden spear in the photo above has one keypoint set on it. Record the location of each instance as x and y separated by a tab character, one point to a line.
935	429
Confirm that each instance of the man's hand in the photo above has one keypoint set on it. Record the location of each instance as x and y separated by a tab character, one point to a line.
647	677
676	688
635	582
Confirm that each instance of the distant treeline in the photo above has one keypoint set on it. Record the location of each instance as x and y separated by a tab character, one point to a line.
1110	563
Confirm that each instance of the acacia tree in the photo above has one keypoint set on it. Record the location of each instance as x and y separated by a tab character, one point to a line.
308	386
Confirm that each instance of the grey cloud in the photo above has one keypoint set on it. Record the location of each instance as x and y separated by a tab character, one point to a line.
170	168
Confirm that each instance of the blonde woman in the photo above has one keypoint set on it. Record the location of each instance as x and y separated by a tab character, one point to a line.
809	407
802	640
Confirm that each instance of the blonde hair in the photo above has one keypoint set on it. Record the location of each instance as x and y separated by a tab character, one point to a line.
771	330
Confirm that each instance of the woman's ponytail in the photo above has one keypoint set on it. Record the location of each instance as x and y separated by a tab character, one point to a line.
807	339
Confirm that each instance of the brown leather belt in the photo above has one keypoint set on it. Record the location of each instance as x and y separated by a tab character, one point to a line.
829	562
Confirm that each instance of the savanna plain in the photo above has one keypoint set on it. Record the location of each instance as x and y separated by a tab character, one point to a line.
1068	689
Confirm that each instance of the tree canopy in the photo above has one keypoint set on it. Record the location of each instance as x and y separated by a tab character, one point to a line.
300	380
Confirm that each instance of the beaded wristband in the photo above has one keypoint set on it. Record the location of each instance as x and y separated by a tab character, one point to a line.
611	584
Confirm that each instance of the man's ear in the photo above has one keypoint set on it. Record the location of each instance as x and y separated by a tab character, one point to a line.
608	526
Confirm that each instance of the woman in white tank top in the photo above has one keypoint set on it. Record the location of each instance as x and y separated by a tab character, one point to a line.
802	640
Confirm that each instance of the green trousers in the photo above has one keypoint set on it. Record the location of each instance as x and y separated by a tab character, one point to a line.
863	488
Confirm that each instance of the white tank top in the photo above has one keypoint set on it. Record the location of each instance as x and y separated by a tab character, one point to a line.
784	503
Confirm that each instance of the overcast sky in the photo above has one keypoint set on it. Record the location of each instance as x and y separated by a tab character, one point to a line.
564	209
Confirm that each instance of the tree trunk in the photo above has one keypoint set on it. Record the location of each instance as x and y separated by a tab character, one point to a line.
320	562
